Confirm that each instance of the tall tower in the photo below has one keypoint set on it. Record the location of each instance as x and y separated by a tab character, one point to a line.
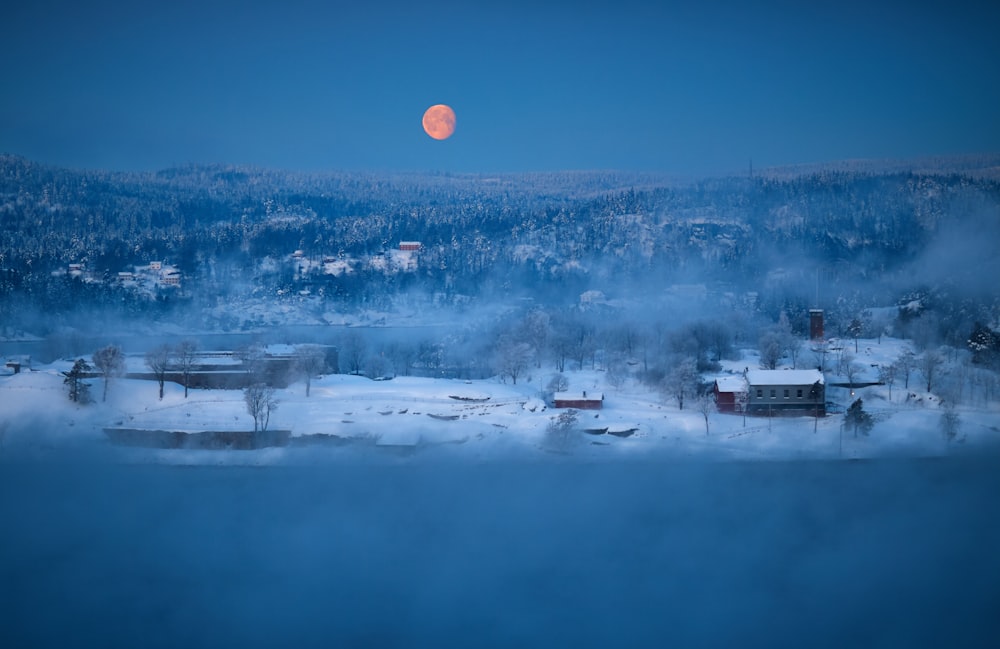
815	324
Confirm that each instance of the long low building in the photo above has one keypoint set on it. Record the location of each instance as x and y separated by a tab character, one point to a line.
773	392
579	400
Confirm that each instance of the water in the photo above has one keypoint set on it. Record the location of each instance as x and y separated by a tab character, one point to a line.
419	552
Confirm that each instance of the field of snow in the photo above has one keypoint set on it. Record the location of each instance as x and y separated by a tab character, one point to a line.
487	418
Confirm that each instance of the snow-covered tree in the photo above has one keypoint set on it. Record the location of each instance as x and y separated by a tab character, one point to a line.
512	357
771	347
682	381
858	419
534	330
705	404
887	375
905	364
260	402
79	390
561	427
310	361
157	360
110	362
353	350
185	357
930	365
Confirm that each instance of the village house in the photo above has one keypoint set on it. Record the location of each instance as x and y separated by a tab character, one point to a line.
772	392
409	245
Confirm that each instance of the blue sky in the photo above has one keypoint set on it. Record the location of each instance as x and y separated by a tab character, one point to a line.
688	88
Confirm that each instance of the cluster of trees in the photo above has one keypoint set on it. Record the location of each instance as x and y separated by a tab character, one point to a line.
107	362
551	236
182	359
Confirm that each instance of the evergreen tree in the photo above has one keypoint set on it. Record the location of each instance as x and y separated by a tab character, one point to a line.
79	390
858	419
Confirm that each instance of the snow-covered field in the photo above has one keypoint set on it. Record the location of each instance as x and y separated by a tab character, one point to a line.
489	418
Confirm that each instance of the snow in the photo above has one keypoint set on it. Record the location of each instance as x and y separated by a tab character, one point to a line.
731	383
784	377
489	418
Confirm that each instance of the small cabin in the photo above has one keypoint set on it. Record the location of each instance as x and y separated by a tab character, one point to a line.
578	400
410	245
730	393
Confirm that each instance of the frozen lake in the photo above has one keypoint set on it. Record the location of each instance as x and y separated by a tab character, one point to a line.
418	552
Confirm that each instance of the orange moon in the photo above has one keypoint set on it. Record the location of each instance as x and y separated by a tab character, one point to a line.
439	121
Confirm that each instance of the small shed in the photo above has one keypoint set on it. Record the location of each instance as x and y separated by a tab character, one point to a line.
578	400
730	393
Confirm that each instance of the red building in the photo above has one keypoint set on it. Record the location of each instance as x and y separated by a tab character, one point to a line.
578	400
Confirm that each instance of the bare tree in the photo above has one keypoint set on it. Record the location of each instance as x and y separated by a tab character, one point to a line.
260	401
906	363
310	360
157	360
855	328
558	383
793	347
705	404
534	330
851	371
252	358
186	358
771	348
353	350
930	364
378	366
887	375
512	357
682	381
110	362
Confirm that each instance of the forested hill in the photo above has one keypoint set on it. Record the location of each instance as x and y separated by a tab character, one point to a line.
927	224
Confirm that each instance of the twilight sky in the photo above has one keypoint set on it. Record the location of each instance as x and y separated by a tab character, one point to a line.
536	85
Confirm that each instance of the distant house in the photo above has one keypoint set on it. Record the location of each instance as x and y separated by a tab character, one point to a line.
171	278
772	392
410	245
155	265
126	276
578	400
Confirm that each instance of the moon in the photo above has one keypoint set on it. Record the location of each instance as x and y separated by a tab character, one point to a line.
439	121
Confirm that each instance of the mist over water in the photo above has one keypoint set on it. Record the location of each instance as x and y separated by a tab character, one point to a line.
550	552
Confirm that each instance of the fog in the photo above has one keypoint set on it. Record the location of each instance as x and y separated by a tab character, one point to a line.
552	552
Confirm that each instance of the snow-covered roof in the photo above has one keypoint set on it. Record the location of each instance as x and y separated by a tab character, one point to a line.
731	384
578	396
784	377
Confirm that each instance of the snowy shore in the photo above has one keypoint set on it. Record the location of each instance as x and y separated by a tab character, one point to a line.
352	417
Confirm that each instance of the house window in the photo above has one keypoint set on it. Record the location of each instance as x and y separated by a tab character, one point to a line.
798	393
774	393
760	393
786	393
